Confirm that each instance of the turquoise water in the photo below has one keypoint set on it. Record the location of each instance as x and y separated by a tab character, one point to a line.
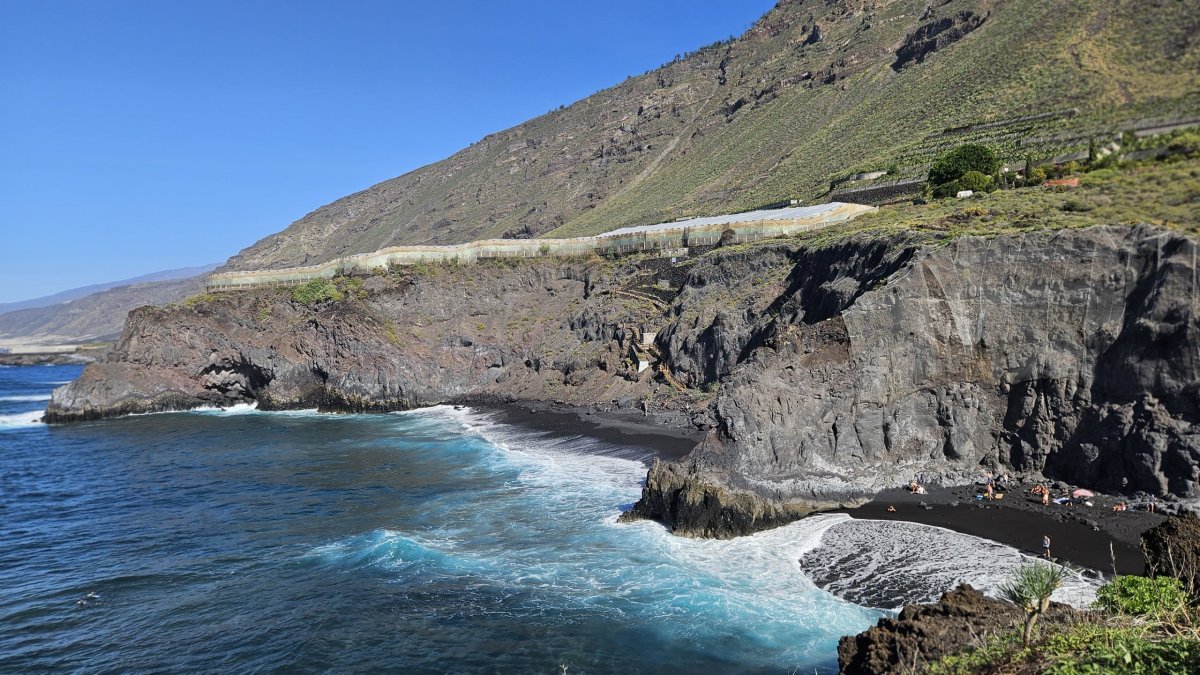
430	541
426	541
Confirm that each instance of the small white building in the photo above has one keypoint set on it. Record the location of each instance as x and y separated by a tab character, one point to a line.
963	194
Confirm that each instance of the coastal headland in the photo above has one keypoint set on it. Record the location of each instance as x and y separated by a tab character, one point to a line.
820	369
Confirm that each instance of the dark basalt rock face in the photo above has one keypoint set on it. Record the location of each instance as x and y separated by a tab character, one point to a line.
925	633
1173	549
703	510
1071	354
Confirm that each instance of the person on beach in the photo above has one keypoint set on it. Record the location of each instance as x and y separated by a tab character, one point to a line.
989	490
1152	504
1045	497
891	509
1046	546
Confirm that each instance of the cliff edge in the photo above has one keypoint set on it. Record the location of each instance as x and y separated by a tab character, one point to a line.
823	370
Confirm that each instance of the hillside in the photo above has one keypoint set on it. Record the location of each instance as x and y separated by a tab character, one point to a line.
83	291
813	91
98	316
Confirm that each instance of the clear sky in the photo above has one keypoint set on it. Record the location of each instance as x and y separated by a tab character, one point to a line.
138	136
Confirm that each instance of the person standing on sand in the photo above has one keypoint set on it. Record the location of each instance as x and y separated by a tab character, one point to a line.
1046	546
1153	504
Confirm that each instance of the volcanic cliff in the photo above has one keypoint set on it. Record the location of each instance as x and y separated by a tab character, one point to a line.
824	369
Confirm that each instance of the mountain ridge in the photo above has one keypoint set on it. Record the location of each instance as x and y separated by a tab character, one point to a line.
812	90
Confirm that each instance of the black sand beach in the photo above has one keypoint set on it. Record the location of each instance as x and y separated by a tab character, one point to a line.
668	444
1081	535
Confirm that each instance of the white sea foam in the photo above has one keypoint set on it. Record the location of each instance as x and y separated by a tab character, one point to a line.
575	488
21	420
236	409
889	563
30	397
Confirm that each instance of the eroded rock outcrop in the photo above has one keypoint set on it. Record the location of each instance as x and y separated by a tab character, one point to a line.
540	331
921	634
1173	549
1072	353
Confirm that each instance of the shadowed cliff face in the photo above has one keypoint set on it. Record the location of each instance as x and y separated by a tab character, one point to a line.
822	373
1070	353
535	331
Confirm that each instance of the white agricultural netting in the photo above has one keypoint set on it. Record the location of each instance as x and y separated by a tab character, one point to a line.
790	213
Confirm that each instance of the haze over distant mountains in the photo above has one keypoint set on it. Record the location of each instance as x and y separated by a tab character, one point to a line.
74	293
812	91
95	312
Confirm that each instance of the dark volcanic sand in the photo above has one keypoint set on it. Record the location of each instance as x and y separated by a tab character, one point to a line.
1020	520
613	427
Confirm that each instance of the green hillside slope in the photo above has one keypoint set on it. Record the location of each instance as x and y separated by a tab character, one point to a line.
815	90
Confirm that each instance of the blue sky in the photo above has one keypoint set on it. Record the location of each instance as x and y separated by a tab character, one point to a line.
137	136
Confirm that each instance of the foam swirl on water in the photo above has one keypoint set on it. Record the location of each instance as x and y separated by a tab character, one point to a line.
887	564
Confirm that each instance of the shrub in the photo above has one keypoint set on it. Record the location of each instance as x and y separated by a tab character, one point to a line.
973	180
952	165
201	299
316	291
1185	145
544	249
1036	177
1140	595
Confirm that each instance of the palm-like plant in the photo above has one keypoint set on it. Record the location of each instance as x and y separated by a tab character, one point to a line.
1029	588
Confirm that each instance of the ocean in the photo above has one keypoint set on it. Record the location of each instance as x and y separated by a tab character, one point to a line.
437	540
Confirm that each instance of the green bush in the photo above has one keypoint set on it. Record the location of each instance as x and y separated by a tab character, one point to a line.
1140	595
201	299
973	180
955	163
1186	144
316	291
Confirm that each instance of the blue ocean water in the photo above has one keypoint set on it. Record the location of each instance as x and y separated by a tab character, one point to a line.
428	541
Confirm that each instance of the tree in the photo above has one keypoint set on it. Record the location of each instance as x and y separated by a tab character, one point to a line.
1028	166
970	157
1029	588
1093	156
